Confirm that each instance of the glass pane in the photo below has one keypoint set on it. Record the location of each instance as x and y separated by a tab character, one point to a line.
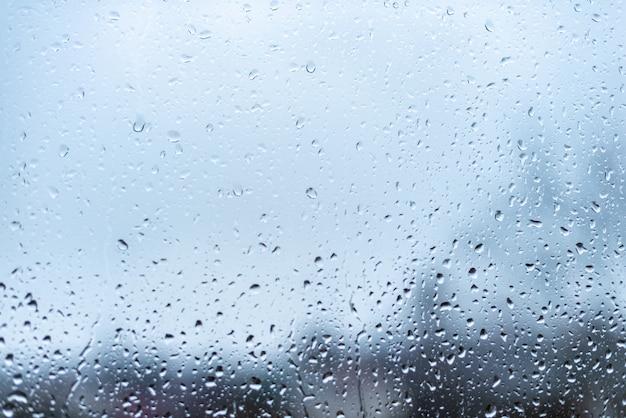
362	209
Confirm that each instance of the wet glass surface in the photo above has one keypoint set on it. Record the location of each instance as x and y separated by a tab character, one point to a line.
366	209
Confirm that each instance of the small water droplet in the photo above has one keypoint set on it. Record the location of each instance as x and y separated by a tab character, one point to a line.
209	128
173	136
499	216
489	25
63	150
311	193
237	190
595	207
310	67
122	245
255	383
53	192
139	124
300	123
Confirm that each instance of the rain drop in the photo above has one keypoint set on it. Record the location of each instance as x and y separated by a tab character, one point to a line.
63	150
489	25
311	193
139	124
491	411
122	245
328	377
173	136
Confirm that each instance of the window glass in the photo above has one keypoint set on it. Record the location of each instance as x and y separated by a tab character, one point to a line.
342	209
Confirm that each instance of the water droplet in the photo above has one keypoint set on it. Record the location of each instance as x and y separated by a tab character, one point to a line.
53	192
595	207
63	150
300	123
499	216
8	410
311	193
139	124
310	67
18	397
450	11
205	34
489	25
253	74
122	245
173	136
209	128
328	377
255	383
472	273
237	189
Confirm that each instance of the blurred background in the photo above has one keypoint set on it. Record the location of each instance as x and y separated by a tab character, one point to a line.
312	209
